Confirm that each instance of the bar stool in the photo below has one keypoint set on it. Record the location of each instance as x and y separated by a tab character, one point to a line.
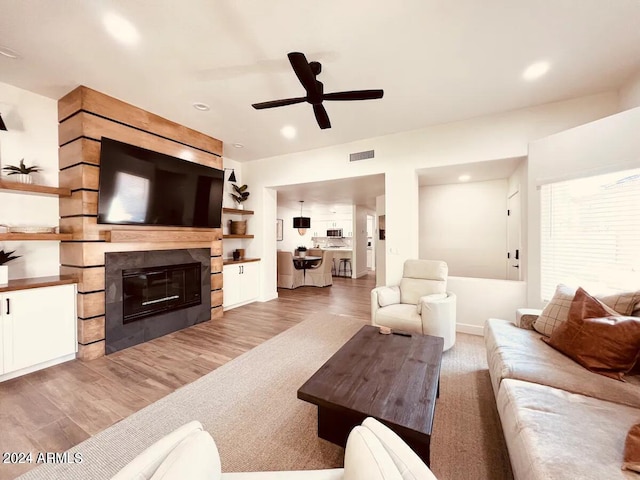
344	263
333	266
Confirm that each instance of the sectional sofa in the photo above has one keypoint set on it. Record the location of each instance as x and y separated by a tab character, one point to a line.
560	421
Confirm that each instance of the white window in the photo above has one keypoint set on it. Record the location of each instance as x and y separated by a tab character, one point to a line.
590	231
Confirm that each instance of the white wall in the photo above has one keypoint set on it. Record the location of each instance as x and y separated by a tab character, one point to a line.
359	245
32	123
398	156
380	245
480	298
605	145
630	93
465	224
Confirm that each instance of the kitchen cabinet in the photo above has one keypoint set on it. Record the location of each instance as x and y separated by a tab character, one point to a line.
241	284
37	328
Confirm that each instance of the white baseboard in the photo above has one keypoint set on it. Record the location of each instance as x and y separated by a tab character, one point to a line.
39	366
471	329
268	298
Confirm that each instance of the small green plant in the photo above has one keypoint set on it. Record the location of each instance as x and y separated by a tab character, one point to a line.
13	170
7	257
242	193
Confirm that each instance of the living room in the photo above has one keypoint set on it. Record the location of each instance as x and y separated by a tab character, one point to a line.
579	120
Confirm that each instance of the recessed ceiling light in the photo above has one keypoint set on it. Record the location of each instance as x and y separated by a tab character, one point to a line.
288	132
535	70
7	52
203	107
238	145
121	29
464	178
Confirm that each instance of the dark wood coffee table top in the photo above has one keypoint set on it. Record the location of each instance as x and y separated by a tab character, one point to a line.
390	377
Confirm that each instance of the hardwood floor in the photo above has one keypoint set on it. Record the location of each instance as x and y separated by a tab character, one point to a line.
54	409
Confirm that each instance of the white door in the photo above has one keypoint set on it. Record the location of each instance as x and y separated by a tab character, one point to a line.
38	325
514	248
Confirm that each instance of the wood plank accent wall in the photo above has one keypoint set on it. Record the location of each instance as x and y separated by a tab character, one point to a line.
85	116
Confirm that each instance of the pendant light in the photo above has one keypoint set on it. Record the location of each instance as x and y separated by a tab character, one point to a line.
301	223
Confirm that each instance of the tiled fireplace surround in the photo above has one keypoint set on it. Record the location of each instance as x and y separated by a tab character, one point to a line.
120	335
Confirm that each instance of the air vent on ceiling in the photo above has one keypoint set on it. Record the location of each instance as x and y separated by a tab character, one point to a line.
354	157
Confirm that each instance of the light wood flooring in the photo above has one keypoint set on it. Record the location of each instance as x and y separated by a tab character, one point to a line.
54	409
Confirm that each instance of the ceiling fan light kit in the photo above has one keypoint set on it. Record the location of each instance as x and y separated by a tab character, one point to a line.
307	73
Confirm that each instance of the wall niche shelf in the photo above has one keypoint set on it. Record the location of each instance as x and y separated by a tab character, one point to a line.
237	211
33	189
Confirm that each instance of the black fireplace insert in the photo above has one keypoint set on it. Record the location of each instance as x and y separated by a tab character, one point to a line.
154	290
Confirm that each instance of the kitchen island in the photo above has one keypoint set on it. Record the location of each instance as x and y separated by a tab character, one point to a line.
339	253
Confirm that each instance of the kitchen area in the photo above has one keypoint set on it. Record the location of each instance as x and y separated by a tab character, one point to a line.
346	231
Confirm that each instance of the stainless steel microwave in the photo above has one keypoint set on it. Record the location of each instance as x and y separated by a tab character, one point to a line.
334	233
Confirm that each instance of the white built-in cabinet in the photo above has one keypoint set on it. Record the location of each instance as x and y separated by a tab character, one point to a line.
241	284
37	329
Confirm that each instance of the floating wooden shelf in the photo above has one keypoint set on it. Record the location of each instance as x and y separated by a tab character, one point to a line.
230	261
34	189
37	282
19	237
160	236
237	236
237	211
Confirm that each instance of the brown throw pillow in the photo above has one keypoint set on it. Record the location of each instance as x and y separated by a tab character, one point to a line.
632	449
605	344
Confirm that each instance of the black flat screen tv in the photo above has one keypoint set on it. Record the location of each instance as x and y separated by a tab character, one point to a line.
141	187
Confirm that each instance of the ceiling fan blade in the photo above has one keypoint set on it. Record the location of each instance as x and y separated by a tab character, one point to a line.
354	95
278	103
321	116
303	71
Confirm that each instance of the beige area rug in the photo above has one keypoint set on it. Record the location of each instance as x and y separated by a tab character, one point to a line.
249	406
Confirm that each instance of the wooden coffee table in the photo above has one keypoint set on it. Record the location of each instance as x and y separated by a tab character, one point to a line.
393	378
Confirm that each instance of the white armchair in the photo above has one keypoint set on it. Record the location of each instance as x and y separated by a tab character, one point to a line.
373	452
420	304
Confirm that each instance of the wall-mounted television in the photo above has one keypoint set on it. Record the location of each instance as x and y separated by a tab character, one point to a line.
142	187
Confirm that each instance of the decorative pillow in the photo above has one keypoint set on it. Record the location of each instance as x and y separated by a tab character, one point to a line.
410	466
557	310
388	296
431	298
366	459
604	344
632	449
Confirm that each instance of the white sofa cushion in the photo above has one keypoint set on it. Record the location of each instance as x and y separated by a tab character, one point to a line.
195	458
366	459
410	466
553	434
401	316
388	295
146	463
327	474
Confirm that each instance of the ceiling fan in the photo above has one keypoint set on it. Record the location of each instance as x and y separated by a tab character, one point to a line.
307	72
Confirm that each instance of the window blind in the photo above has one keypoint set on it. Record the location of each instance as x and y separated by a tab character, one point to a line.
590	230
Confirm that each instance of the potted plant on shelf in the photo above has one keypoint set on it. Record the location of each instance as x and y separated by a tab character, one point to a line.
5	257
241	195
22	172
302	251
